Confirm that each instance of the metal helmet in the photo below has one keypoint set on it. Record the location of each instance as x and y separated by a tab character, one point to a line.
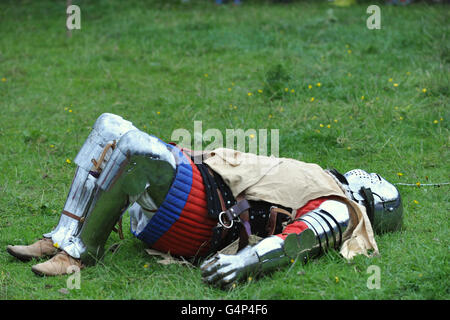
380	197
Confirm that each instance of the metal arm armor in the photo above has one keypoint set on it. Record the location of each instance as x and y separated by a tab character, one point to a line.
326	226
328	222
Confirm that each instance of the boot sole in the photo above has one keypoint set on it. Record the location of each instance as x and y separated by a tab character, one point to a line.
19	256
38	273
27	258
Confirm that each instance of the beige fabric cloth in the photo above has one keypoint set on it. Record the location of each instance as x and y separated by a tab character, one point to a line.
290	183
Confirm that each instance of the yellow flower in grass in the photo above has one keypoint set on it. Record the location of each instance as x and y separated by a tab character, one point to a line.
145	265
312	99
399	174
335	120
292	91
52	146
390	80
68	161
286	89
252	136
249	94
418	183
400	118
329	126
349	148
260	91
206	75
56	245
336	279
309	86
3	79
229	89
408	73
424	90
318	84
435	121
362	97
395	84
416	202
349	51
158	112
321	125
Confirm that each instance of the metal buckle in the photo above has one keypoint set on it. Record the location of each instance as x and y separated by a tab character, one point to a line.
223	224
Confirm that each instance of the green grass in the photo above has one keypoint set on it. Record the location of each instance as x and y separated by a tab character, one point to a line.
141	58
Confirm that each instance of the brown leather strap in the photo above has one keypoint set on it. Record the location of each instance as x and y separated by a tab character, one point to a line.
222	202
244	230
98	163
272	222
279	210
241	210
236	210
71	215
119	229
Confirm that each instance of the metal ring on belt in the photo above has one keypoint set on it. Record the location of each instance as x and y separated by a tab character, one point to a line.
222	223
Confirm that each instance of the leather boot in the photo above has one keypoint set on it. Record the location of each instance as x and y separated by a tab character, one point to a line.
39	249
58	265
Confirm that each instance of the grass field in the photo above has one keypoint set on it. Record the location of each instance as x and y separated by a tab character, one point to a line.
341	96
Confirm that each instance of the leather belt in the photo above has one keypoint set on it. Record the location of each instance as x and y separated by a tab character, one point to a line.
233	212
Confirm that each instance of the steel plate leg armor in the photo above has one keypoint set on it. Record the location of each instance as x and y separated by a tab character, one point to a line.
139	162
107	129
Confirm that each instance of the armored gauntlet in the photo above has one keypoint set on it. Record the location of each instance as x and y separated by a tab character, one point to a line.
267	255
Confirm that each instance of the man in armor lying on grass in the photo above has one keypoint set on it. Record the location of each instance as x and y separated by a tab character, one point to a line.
193	206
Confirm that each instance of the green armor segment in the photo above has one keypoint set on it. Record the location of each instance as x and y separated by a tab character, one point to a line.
299	247
138	162
100	222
